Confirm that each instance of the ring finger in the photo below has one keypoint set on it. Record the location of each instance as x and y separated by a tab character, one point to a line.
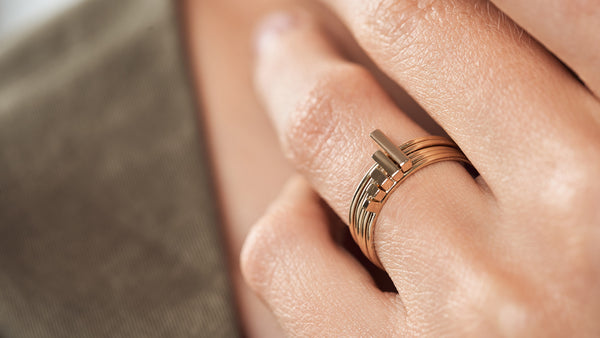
323	108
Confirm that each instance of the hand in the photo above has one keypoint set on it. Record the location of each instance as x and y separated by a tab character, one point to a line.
513	252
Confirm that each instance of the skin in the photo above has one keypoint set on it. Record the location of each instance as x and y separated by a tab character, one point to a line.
512	253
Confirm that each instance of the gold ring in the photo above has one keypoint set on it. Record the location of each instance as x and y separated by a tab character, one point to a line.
392	166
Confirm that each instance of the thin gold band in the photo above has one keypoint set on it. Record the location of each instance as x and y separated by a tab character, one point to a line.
393	165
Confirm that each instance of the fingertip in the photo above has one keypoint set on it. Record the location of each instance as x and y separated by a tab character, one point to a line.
273	26
298	188
252	267
262	245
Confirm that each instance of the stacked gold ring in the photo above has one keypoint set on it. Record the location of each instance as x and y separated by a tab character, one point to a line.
392	166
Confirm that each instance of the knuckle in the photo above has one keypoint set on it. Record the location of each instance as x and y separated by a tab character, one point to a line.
258	259
393	23
561	174
390	18
518	306
321	113
568	179
503	307
514	316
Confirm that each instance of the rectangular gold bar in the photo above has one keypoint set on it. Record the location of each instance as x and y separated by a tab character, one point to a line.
381	179
390	148
375	193
372	206
398	175
386	163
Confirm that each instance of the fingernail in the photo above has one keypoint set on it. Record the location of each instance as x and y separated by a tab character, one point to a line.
272	27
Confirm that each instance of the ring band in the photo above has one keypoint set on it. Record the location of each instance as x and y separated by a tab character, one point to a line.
392	166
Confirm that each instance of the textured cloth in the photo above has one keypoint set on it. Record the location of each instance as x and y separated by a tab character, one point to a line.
107	222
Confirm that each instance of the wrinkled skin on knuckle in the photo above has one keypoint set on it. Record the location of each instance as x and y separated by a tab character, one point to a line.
427	35
389	25
308	126
318	120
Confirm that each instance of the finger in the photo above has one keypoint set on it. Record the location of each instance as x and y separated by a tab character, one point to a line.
312	286
568	28
324	108
496	92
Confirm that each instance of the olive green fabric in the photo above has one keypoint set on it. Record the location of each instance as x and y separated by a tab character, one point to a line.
107	222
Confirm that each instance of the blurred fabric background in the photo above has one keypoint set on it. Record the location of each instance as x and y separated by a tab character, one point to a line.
18	17
108	225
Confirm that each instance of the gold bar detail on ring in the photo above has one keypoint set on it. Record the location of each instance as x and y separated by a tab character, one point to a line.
381	179
375	193
390	168
390	148
372	206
